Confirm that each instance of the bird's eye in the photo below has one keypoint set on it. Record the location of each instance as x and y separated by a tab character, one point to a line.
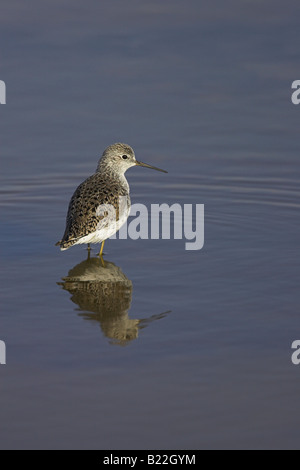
124	157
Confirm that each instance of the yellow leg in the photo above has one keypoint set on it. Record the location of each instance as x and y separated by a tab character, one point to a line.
101	249
102	261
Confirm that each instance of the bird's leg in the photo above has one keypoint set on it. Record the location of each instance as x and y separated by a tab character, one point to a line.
102	261
101	249
89	247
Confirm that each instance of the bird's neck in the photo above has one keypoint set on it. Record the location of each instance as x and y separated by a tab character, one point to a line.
116	176
123	181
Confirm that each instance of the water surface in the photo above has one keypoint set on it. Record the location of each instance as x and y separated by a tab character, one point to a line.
167	348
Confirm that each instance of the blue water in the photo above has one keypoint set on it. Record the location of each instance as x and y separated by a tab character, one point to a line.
173	349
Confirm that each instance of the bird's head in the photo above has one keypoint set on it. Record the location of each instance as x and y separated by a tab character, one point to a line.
121	157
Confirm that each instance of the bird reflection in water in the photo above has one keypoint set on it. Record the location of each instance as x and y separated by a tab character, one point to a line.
103	293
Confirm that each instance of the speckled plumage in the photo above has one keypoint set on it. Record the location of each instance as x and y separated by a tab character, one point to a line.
82	218
105	188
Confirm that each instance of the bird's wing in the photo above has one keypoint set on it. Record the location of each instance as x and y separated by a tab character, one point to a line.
92	207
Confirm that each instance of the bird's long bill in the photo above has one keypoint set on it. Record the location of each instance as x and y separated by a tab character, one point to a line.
150	166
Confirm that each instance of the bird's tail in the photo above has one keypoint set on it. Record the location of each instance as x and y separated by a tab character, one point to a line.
63	245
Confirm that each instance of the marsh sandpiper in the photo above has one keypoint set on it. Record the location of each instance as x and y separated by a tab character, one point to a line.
89	219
